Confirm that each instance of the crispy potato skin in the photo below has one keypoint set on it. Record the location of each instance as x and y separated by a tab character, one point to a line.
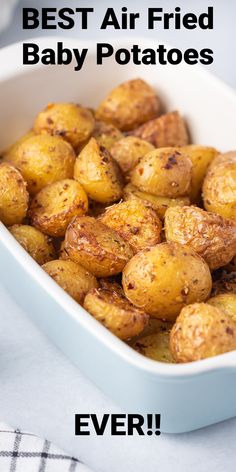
96	247
167	130
37	244
106	134
72	277
135	223
225	302
156	345
71	122
219	187
14	198
210	235
157	203
128	151
56	204
115	312
163	172
98	173
162	279
129	105
43	160
201	157
202	331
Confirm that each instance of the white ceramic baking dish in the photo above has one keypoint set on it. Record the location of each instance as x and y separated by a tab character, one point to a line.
188	396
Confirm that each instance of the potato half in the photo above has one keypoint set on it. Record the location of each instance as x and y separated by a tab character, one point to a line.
128	151
38	245
162	279
14	197
225	302
106	134
55	205
156	345
115	312
96	247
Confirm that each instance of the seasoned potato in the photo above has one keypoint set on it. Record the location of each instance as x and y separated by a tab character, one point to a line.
210	235
129	105
37	244
202	331
128	151
13	149
72	277
157	203
106	134
98	173
115	313
164	172
96	247
135	223
167	130
201	157
219	187
14	197
72	122
62	252
223	282
156	345
55	205
43	160
162	279
225	302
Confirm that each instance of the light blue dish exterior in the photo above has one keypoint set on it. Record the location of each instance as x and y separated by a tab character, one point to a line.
187	396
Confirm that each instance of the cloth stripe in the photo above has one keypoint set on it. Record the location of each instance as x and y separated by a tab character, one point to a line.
16	447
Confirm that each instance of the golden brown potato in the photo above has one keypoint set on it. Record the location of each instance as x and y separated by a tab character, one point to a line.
202	331
201	157
135	223
13	149
162	279
72	277
43	160
157	203
96	247
14	197
210	235
37	244
70	121
55	205
128	151
62	252
115	313
106	134
164	172
129	105
223	282
156	345
98	173
219	186
225	302
167	130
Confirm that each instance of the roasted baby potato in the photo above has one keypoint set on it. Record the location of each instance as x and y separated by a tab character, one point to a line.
62	252
43	160
128	151
201	157
72	277
70	121
157	203
202	331
14	197
225	302
223	282
115	312
106	134
96	247
219	187
164	172
135	223
13	149
129	105
38	245
55	205
167	130
156	345
162	279
98	173
211	236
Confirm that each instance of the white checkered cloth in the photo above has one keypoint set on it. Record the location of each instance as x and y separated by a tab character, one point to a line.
25	452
